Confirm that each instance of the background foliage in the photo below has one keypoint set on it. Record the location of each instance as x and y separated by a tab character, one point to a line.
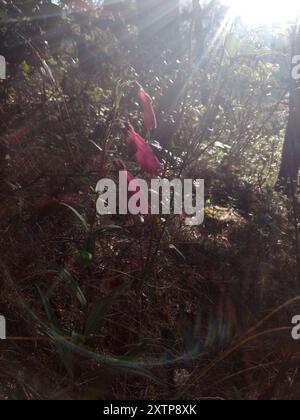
130	307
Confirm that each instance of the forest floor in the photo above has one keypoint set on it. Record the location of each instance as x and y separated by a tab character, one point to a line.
163	311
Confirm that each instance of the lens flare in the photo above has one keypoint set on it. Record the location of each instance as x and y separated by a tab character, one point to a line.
258	12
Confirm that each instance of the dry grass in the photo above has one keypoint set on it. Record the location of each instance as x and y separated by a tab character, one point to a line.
179	330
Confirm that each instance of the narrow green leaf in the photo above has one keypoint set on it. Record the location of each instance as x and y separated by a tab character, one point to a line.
96	145
71	282
57	334
78	215
64	274
119	94
49	312
232	45
177	251
90	245
100	308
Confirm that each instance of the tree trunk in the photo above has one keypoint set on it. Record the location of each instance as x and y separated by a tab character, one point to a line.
290	163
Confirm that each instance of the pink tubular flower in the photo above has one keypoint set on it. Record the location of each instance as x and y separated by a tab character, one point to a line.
131	178
149	115
120	165
143	153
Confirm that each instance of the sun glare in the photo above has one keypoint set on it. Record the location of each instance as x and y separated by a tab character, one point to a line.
258	12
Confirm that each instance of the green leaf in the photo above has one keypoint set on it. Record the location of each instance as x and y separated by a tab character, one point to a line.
48	71
177	251
57	334
96	145
49	312
65	275
25	67
64	352
232	45
90	245
78	215
119	94
69	281
100	308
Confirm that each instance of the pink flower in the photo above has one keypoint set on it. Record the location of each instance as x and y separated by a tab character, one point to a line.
144	155
149	115
131	178
121	166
